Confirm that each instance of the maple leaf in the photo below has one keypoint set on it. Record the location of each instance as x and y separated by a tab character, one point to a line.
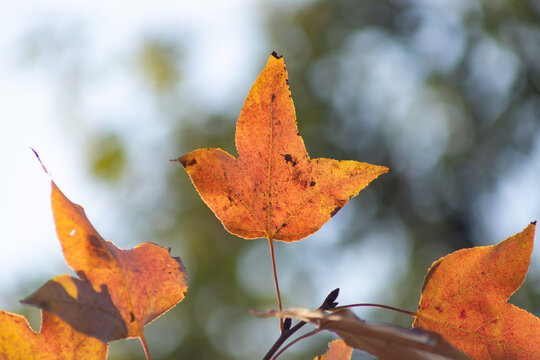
387	342
55	341
273	189
119	291
337	350
465	295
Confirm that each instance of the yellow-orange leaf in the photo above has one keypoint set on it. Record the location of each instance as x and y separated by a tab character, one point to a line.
465	298
337	350
55	341
273	189
130	288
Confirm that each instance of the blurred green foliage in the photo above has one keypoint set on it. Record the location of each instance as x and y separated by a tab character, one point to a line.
446	94
107	156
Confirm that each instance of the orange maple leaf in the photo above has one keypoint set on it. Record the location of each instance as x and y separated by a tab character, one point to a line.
337	350
120	291
465	295
273	189
55	341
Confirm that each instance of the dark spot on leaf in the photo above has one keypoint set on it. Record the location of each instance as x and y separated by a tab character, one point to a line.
273	97
289	159
462	314
438	308
312	183
131	317
98	247
94	241
185	163
287	82
335	211
534	222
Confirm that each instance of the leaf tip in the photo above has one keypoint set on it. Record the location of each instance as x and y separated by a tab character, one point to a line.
185	161
39	159
383	169
274	54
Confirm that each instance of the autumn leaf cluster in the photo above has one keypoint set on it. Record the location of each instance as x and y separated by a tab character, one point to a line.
272	190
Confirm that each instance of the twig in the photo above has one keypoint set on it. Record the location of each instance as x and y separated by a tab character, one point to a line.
328	303
316	331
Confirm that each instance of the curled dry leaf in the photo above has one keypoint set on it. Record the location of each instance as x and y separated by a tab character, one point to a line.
337	350
465	298
119	291
387	342
55	341
273	189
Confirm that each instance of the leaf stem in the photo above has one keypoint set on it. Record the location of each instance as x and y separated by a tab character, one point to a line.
271	243
145	347
413	314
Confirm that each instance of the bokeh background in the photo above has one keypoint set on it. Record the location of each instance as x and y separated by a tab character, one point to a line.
445	93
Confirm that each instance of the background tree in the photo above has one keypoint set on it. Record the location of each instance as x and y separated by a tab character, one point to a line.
446	94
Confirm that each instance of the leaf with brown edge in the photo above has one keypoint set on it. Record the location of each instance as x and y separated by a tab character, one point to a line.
273	189
55	341
465	296
337	350
387	342
127	289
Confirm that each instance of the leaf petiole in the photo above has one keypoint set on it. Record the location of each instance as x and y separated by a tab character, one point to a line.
410	313
145	347
271	243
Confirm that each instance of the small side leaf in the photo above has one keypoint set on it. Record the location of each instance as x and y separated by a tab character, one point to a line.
127	289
